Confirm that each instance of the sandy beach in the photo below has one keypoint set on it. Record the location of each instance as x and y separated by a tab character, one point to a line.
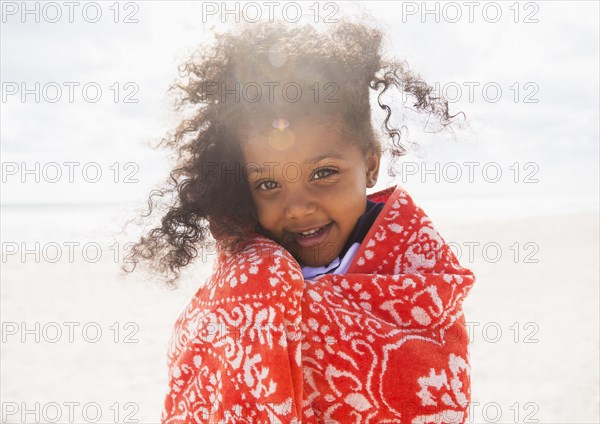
79	338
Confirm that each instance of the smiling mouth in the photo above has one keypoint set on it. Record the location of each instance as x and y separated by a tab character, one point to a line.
312	237
311	232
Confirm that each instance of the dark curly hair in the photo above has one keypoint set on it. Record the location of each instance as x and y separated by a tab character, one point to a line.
242	82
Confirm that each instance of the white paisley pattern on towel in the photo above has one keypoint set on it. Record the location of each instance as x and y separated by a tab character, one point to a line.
384	343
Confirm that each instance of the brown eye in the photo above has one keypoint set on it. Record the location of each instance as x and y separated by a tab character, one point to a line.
325	173
274	185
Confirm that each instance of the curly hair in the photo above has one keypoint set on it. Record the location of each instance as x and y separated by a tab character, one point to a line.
244	81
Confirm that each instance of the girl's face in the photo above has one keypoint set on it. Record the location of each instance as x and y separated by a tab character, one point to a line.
308	177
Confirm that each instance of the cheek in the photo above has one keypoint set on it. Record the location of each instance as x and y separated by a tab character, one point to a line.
266	214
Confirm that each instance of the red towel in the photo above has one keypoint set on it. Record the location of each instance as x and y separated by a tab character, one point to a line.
384	343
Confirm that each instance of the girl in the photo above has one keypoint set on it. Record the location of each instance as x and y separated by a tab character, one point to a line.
324	304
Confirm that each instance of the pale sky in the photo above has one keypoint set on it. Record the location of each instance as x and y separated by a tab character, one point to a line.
554	60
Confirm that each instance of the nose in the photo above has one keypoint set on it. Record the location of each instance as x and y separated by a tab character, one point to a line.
300	205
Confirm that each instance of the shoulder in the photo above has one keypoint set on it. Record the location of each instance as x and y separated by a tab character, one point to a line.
400	226
399	217
262	263
258	251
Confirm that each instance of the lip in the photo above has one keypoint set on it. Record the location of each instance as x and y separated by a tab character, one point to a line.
313	240
314	227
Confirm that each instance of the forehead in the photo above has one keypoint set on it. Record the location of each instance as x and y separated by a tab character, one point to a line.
295	141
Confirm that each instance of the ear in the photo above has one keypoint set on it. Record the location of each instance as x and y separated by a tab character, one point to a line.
372	168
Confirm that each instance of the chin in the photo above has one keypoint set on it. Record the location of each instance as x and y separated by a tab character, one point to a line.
310	263
306	257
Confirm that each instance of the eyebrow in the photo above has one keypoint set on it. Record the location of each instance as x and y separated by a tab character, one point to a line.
326	155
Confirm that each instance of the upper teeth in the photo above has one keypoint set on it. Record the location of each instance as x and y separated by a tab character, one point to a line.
311	232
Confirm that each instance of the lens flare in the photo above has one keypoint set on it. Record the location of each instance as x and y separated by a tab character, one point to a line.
281	137
281	124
